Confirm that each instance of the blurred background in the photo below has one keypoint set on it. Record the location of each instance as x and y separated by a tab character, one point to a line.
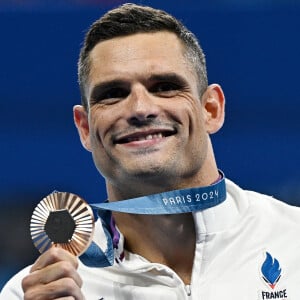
252	49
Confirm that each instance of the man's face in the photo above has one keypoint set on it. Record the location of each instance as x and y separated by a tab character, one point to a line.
145	119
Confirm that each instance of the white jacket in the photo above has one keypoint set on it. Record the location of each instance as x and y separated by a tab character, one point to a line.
231	260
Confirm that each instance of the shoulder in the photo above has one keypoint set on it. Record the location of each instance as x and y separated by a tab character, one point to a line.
265	206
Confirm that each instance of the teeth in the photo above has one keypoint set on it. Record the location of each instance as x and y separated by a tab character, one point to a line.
147	137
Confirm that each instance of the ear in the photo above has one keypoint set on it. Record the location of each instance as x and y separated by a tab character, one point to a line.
213	102
82	123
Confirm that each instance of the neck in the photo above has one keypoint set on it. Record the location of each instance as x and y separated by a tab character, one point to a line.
165	239
141	187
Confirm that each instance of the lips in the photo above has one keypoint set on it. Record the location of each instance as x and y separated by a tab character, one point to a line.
143	136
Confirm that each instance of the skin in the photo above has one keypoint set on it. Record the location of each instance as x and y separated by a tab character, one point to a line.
148	132
53	276
137	105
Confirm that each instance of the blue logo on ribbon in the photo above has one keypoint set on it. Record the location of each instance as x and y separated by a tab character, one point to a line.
271	270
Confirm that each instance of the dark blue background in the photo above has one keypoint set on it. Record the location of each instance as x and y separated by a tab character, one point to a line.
252	49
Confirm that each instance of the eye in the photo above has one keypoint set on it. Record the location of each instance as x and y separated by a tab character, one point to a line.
111	95
165	88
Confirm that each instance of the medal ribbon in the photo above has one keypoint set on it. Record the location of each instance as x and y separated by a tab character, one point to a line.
172	202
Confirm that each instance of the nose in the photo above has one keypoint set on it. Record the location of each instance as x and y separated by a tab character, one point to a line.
142	106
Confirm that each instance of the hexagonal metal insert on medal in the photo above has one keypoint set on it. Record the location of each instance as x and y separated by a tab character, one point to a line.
60	226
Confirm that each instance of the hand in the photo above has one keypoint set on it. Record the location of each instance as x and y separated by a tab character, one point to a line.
53	276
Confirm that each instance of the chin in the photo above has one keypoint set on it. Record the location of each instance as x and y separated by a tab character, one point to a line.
155	173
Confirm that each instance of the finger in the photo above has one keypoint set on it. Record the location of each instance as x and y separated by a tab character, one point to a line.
52	256
63	269
64	288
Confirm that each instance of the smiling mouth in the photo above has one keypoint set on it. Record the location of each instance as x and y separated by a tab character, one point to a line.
140	136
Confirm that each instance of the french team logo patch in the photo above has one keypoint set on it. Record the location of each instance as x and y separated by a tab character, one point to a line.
271	271
271	274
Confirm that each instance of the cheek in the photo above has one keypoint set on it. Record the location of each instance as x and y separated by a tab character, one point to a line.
98	123
103	121
195	116
96	134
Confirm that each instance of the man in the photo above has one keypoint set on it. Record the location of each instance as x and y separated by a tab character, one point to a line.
146	116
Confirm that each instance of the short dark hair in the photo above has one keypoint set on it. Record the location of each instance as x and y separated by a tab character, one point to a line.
130	19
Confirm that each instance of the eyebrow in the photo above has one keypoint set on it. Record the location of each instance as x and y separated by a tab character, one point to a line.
172	77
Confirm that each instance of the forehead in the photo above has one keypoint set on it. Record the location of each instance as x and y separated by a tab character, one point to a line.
140	54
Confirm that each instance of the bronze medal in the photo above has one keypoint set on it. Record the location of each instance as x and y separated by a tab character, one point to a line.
62	220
